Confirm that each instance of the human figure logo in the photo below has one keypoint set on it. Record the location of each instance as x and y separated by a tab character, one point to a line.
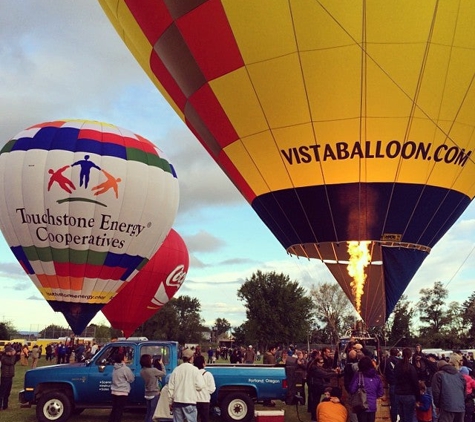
58	178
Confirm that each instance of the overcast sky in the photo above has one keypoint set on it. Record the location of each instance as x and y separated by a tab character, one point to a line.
62	59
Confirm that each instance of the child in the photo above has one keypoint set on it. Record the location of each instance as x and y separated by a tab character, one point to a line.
469	392
326	394
332	410
122	376
424	406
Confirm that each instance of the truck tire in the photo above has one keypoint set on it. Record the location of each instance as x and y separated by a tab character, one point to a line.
53	406
237	407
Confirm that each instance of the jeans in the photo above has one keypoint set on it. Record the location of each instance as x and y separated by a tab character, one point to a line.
445	416
366	416
392	403
151	405
5	389
118	404
203	411
435	416
406	405
187	413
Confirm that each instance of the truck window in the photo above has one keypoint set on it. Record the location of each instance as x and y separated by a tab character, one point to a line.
108	357
156	352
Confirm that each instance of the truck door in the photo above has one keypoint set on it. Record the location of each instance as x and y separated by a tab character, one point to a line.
100	372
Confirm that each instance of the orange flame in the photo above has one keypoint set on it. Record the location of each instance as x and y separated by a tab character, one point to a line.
359	260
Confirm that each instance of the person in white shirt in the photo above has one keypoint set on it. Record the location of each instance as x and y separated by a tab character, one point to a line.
204	395
183	386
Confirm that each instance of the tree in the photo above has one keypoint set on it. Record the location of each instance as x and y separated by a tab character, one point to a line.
177	320
399	323
468	315
454	331
162	326
103	333
189	321
277	309
54	331
221	326
431	308
7	330
239	334
333	309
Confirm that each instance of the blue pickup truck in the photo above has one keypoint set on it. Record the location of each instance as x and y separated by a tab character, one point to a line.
58	391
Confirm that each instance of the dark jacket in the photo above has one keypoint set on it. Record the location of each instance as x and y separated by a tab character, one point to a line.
448	389
348	372
431	368
8	366
317	378
390	366
373	386
406	382
269	358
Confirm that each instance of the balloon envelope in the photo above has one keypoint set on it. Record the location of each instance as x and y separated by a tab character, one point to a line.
338	121
154	285
83	206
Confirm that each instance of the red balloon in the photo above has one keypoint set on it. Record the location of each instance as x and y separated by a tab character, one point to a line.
154	285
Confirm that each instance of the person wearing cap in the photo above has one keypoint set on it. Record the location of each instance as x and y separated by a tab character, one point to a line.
456	360
8	362
249	355
332	410
183	386
448	389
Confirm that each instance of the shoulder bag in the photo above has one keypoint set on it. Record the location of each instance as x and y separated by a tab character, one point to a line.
359	400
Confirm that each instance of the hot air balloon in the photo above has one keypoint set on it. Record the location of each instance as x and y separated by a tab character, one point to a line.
83	206
154	285
346	125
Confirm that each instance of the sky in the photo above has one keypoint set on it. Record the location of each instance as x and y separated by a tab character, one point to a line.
62	59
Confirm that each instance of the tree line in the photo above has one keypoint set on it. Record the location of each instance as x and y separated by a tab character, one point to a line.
280	311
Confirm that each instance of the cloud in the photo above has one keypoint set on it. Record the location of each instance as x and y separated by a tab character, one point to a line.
34	297
22	286
11	270
202	182
203	242
238	261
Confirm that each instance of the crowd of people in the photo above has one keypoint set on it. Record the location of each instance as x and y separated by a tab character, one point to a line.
59	353
419	387
55	352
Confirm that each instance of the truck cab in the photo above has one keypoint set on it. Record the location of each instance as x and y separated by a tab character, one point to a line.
59	390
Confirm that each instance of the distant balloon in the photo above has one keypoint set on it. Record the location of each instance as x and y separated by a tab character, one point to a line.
154	285
339	121
83	206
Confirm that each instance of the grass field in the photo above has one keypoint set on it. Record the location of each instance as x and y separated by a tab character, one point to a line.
17	414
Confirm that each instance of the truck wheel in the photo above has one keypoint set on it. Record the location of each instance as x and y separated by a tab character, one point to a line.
53	406
237	407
